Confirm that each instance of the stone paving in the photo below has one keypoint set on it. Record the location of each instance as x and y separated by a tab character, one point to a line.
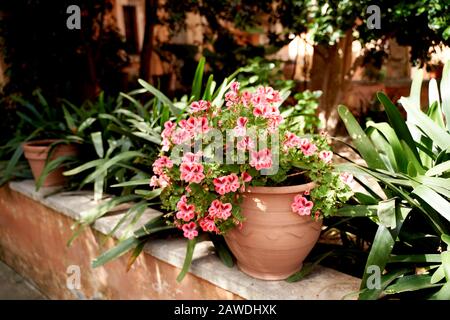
14	287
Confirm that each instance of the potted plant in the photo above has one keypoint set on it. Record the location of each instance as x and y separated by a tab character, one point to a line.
40	152
237	171
48	136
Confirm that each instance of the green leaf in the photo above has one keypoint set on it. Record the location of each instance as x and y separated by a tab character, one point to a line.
98	143
115	252
209	88
439	136
443	293
360	139
445	92
434	200
93	214
446	239
397	123
86	124
50	167
149	194
103	167
188	259
137	182
69	120
394	142
135	254
158	223
222	250
410	283
386	279
439	169
135	210
415	258
413	101
99	183
381	249
356	211
438	275
386	213
83	167
159	95
198	78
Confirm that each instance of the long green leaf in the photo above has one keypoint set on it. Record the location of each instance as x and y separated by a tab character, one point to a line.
158	94
102	168
445	92
138	182
397	123
83	167
115	252
93	214
50	167
198	79
434	200
360	139
188	259
411	283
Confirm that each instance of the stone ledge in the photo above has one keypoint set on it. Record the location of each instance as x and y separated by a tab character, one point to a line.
323	283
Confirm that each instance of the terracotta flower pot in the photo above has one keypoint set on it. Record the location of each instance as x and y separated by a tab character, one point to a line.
37	152
273	241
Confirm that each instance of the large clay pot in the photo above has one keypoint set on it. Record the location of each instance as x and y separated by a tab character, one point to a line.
37	152
273	240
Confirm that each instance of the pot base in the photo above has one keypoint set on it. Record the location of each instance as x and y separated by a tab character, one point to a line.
265	275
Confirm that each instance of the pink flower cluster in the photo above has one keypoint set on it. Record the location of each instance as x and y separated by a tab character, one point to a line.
225	184
190	170
219	210
261	159
160	179
301	205
201	105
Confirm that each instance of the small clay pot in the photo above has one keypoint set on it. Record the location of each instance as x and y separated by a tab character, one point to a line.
37	152
273	240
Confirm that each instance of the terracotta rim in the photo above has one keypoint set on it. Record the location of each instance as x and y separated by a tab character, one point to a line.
281	190
38	145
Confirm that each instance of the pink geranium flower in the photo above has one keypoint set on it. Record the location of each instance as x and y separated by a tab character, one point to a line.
302	206
308	148
161	163
192	172
226	184
200	105
180	136
261	159
221	185
270	95
246	98
169	127
234	86
190	230
347	178
219	210
326	156
208	224
186	211
233	182
246	177
160	181
291	141
240	129
245	143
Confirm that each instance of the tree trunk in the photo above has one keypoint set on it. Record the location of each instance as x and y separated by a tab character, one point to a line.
332	73
145	70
